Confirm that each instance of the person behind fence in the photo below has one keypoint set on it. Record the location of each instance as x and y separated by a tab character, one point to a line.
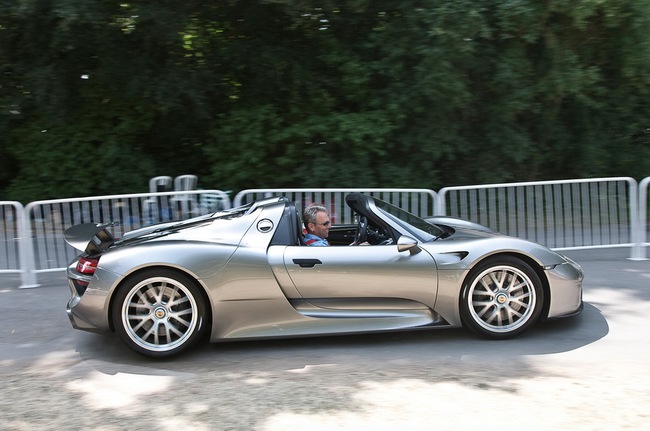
317	225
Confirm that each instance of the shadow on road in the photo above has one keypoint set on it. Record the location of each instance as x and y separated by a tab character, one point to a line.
24	339
434	346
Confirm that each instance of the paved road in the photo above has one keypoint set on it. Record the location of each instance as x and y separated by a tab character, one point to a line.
589	372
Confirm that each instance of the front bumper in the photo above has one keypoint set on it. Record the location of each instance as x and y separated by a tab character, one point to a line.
565	281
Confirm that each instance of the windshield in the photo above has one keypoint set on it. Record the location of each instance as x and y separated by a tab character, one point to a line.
423	230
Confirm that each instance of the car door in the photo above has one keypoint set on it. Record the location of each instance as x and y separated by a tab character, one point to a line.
351	276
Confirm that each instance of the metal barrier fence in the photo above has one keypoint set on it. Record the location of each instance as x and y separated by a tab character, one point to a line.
42	245
420	202
569	214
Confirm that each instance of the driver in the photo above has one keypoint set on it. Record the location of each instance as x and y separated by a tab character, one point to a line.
317	224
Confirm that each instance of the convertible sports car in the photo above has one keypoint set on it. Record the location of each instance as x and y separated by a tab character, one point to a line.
244	274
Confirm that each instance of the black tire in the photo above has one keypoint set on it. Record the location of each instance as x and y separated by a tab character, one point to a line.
159	313
501	297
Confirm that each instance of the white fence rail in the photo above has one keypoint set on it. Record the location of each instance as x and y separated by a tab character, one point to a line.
568	214
586	213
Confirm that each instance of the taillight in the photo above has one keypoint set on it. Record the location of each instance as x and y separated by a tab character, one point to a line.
87	265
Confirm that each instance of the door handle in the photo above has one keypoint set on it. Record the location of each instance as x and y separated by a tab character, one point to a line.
307	263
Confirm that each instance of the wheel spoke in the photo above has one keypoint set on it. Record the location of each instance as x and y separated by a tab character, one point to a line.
180	320
151	293
180	314
176	331
484	307
143	299
176	302
494	278
514	287
142	318
490	284
494	315
141	306
513	315
153	331
519	300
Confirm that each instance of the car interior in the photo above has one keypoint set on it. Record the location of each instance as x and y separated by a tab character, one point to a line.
290	231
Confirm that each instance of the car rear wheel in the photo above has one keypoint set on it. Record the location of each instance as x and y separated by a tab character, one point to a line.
159	313
501	298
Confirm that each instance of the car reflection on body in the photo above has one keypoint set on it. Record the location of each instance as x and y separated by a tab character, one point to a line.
244	274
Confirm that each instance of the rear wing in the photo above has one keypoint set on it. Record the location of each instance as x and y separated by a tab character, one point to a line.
91	238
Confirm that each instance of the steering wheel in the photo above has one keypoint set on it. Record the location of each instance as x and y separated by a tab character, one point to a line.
361	235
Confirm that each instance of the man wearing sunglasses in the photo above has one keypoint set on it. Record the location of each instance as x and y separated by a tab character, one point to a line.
317	224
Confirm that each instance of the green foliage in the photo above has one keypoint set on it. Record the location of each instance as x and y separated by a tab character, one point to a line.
85	159
96	97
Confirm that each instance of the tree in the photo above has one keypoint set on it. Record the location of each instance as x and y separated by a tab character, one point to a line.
96	98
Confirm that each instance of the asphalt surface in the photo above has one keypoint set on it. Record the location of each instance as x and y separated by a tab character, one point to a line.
588	372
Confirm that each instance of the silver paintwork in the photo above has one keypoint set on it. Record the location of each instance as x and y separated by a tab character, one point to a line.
260	288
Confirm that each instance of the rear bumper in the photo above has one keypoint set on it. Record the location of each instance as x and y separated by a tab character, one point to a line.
88	306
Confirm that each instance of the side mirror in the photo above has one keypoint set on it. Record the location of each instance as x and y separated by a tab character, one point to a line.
406	243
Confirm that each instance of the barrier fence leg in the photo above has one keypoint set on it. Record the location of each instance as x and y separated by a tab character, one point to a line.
640	229
26	252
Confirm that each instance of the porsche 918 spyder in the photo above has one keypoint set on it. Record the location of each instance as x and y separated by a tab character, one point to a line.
244	273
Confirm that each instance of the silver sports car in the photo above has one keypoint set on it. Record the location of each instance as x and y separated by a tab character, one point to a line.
244	274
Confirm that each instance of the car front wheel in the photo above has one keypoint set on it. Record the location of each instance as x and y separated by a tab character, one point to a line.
501	298
159	313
